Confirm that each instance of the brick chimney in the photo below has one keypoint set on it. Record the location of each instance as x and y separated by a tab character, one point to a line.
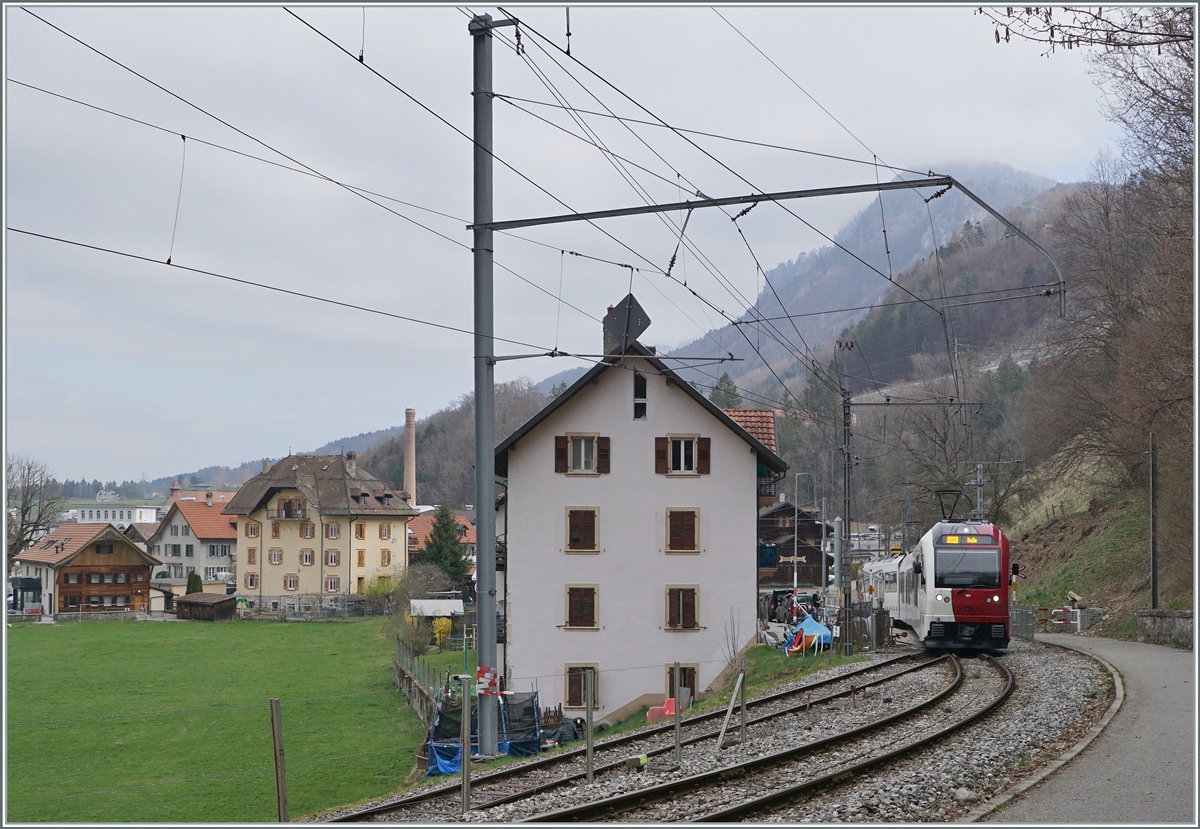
410	455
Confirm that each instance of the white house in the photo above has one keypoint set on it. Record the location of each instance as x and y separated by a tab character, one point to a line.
628	527
196	536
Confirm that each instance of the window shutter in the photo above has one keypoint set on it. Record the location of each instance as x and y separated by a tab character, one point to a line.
703	447
660	456
581	530
689	607
574	687
581	607
687	530
560	453
602	445
673	607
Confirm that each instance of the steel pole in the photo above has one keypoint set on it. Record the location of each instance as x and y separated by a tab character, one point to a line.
485	430
678	713
795	541
589	693
465	737
1153	526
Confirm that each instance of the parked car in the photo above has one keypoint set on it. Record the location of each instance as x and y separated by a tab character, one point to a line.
781	600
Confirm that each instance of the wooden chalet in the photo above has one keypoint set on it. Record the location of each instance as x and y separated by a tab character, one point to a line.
784	531
209	607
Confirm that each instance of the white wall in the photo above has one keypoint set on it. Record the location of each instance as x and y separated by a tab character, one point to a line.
631	648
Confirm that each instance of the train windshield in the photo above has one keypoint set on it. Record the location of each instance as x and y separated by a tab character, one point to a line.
956	567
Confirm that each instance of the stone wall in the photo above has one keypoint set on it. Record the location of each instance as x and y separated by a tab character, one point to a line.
1166	627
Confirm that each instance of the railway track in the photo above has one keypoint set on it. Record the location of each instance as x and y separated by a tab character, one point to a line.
524	780
753	788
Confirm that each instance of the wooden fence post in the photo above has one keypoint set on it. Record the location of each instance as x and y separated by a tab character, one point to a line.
281	803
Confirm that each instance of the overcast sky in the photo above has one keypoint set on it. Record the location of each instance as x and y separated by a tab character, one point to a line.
117	367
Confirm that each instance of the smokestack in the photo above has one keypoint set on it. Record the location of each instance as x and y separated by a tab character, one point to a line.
410	454
208	499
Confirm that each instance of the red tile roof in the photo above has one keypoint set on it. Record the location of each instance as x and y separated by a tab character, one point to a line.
220	498
422	526
760	423
206	521
64	541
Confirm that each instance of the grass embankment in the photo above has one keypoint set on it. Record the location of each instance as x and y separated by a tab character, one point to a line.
169	721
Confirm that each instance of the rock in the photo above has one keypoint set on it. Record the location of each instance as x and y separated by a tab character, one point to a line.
965	795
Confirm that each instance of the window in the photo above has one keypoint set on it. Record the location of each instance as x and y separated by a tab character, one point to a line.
141	576
333	530
307	530
581	607
687	679
251	555
72	578
104	549
275	555
174	529
575	692
639	396
119	601
681	531
291	508
122	578
684	455
385	530
385	558
191	570
581	529
210	573
362	558
333	558
306	557
332	584
108	578
212	550
291	582
93	600
360	585
72	601
224	550
187	530
681	608
360	531
173	549
251	529
581	454
274	529
251	580
187	550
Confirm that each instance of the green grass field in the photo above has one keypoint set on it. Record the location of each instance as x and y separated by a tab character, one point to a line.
169	721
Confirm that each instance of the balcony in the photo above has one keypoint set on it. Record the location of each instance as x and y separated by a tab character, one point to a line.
292	514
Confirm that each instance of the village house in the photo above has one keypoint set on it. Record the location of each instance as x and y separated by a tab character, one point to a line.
316	524
790	535
628	524
87	568
420	526
196	537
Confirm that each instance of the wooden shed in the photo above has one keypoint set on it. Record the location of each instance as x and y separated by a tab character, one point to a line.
211	607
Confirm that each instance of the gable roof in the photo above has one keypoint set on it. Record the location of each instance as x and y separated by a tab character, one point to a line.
221	498
65	541
766	454
326	482
205	521
421	526
758	422
141	532
204	598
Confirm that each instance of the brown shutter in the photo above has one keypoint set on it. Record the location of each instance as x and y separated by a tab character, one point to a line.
703	447
660	456
689	607
581	607
673	607
560	453
688	530
602	445
574	687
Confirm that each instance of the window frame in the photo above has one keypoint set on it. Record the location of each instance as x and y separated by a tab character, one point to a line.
252	555
333	584
333	558
361	558
276	530
385	530
251	529
595	590
584	437
360	531
333	531
595	548
275	555
308	529
695	548
307	553
669	605
640	400
682	440
385	558
292	579
572	667
251	581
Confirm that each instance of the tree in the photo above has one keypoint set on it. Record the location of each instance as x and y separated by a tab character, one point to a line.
194	585
412	633
725	393
555	391
34	503
444	546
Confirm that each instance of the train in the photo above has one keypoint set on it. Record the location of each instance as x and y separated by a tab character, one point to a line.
951	589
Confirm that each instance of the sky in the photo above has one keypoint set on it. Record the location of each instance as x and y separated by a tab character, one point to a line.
118	365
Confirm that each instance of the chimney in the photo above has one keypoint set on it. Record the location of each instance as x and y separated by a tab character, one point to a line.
352	462
208	499
410	455
266	465
611	346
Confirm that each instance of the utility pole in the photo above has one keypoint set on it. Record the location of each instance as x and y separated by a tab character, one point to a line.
480	29
978	482
848	464
1153	527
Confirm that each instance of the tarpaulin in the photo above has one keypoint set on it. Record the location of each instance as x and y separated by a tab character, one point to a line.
808	636
517	732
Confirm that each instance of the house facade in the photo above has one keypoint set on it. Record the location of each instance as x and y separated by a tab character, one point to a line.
790	536
119	514
196	536
629	527
316	524
87	568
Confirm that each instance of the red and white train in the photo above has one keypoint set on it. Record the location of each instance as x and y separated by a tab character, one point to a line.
951	589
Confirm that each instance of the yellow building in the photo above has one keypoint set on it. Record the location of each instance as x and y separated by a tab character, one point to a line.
317	524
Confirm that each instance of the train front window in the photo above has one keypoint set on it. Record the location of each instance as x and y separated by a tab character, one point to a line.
956	567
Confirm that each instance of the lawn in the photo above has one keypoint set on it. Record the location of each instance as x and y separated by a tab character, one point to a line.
169	721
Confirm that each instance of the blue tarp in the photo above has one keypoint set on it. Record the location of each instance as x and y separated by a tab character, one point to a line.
518	731
809	626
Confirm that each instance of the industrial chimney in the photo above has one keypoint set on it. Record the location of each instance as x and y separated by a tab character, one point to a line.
410	455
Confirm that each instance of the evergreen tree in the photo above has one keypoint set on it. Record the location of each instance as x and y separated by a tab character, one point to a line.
194	584
444	546
725	393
